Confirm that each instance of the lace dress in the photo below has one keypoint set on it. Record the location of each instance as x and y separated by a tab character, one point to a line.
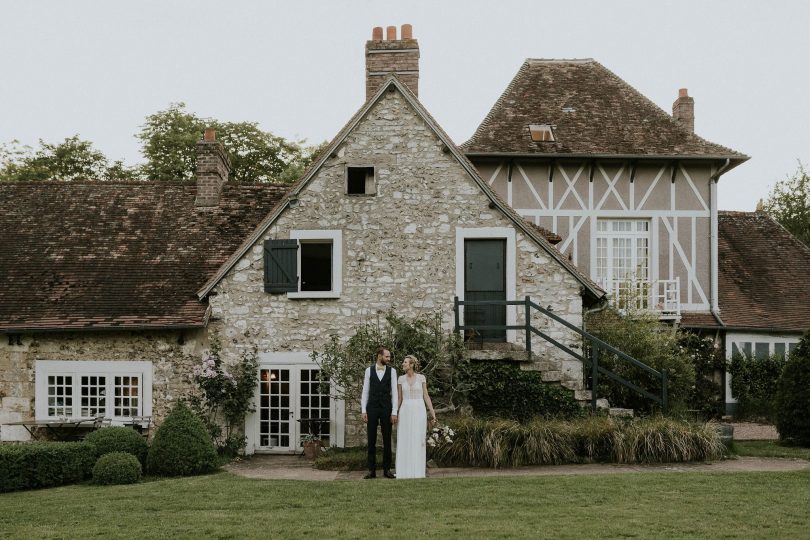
411	429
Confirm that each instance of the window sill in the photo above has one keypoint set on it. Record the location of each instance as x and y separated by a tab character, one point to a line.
313	294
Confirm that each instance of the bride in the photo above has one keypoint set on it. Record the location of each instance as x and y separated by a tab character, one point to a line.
412	425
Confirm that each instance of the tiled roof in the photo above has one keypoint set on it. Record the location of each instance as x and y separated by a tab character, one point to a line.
95	255
552	237
594	113
764	274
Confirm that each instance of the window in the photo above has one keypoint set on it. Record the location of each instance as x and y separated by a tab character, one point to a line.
360	181
84	389
623	259
542	132
308	265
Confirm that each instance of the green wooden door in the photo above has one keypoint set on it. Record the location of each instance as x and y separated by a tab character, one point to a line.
485	279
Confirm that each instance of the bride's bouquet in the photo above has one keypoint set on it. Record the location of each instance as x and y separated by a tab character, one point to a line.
440	435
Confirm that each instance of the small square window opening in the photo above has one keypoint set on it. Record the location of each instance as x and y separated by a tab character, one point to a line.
542	132
360	181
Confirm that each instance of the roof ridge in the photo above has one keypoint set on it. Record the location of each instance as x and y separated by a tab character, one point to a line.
669	117
560	60
488	118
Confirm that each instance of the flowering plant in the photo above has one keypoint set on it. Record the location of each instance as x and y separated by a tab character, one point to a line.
440	435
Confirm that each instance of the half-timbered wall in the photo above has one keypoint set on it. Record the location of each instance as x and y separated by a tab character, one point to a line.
569	197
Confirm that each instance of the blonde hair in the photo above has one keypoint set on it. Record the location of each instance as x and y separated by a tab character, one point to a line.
414	362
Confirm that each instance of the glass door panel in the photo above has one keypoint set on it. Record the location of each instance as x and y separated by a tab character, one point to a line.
276	431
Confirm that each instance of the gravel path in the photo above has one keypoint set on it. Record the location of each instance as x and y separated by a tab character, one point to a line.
750	431
296	468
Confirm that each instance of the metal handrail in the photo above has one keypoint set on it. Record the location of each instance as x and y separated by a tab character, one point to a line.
596	345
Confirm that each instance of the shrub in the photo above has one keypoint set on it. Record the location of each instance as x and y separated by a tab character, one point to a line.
505	443
793	396
117	468
754	381
44	464
641	336
709	362
119	439
502	389
182	446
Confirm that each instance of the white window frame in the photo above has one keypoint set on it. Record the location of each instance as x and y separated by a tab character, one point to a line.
336	237
610	281
493	233
103	368
741	339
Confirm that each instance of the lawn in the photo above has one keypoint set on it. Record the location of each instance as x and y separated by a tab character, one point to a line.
770	449
646	505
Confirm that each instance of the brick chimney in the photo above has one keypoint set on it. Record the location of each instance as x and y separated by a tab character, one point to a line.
392	55
212	169
683	109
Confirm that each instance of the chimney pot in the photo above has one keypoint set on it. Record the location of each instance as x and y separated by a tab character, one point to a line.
213	167
210	134
391	33
406	32
391	56
376	34
683	92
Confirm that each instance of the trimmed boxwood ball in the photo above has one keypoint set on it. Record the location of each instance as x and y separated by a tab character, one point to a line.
182	446
119	439
117	468
793	396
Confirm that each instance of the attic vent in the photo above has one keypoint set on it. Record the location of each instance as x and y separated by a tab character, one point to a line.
541	132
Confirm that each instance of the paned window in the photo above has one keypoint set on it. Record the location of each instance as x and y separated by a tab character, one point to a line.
623	259
93	389
60	395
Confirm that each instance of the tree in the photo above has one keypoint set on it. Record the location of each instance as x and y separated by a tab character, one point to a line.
169	139
72	159
789	204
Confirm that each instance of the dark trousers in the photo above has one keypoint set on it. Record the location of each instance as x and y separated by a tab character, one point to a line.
383	418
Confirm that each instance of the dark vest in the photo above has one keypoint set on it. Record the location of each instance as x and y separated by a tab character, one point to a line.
379	391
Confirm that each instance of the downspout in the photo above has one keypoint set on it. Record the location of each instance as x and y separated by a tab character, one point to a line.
715	263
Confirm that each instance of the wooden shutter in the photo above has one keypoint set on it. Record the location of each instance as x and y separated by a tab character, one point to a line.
280	266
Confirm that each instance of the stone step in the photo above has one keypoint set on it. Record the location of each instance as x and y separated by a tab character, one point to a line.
572	384
550	376
489	355
621	413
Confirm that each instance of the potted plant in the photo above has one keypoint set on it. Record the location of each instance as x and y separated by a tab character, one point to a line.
312	445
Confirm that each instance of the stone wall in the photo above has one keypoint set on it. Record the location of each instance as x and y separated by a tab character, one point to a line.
399	247
171	364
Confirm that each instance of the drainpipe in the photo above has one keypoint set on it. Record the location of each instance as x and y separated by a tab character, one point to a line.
715	302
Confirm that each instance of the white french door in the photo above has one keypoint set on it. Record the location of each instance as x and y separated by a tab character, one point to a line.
290	404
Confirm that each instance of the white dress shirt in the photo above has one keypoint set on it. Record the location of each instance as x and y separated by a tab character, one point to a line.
380	374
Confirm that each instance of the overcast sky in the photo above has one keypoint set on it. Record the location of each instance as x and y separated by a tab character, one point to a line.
97	68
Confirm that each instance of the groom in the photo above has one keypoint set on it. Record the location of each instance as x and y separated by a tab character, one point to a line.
379	405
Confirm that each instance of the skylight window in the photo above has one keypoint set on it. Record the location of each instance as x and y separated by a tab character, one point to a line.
542	132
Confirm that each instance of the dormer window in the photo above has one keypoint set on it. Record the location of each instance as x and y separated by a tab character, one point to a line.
360	181
542	132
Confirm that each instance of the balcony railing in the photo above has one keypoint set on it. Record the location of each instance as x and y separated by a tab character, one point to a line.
662	296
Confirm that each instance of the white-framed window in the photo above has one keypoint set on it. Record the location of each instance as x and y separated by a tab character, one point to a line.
320	264
85	389
623	258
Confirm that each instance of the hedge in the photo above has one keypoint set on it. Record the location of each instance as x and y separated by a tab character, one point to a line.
182	446
44	464
793	396
117	468
119	439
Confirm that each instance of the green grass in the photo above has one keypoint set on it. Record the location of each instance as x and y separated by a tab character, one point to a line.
770	449
645	505
346	459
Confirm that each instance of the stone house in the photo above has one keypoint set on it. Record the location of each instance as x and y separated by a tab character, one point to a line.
111	292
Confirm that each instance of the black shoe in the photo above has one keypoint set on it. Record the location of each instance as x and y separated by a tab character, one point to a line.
370	475
389	474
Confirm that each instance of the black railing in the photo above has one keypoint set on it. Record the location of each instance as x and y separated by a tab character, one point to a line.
590	360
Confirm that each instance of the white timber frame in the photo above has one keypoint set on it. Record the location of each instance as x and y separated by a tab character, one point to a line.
492	233
292	359
335	236
585	205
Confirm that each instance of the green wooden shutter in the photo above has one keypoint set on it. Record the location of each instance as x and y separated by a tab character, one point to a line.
280	266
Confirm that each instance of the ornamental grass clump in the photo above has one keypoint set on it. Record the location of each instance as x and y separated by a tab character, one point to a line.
117	468
663	440
501	443
182	446
119	439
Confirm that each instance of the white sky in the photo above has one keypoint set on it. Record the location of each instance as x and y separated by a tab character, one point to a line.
97	68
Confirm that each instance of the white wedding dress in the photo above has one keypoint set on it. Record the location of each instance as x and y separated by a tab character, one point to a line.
411	429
